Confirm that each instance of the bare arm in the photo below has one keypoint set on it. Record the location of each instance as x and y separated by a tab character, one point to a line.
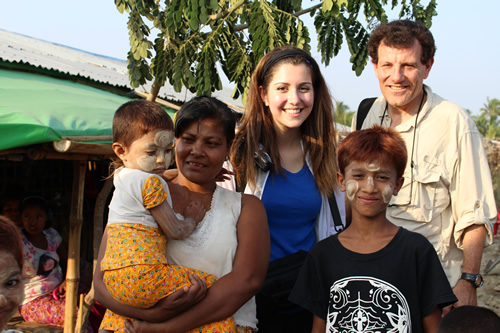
431	322
165	216
231	291
474	238
172	305
319	325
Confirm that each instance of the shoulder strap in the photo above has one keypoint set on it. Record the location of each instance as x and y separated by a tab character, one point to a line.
363	109
337	220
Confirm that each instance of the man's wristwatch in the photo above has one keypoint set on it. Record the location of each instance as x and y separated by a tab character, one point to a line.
476	279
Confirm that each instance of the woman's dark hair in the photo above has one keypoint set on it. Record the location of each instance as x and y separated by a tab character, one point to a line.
10	240
204	107
40	202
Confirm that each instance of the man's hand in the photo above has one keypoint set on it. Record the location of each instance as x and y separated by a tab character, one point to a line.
466	295
180	300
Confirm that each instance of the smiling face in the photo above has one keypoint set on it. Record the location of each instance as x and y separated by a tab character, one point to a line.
34	219
400	73
150	153
200	151
11	287
369	186
289	95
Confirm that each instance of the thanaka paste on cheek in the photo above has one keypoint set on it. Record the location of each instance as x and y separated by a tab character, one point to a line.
352	187
387	193
147	163
168	159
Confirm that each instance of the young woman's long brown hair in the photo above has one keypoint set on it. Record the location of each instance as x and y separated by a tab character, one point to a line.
256	132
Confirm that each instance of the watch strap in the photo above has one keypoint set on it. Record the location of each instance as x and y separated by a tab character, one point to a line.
473	279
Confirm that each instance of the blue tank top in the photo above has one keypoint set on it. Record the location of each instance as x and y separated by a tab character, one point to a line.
292	204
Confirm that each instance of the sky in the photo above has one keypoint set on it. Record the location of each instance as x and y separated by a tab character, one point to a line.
466	68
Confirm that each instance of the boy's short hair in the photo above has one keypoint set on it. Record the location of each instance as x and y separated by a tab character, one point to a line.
374	144
470	319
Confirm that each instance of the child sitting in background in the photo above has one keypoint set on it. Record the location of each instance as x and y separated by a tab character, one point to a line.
135	267
45	256
44	251
373	276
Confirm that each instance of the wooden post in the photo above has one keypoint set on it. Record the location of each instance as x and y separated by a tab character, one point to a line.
87	303
75	227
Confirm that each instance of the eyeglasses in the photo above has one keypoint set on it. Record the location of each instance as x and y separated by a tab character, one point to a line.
412	163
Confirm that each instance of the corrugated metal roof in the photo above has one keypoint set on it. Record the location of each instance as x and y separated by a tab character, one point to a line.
16	48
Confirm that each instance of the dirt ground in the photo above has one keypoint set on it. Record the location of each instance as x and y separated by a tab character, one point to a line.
489	294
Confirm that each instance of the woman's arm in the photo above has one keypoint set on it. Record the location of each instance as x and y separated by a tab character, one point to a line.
232	290
431	321
170	306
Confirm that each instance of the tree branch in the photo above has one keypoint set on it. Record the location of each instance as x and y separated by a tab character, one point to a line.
226	13
242	27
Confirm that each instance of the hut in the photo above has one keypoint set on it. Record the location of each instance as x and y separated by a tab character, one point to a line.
56	109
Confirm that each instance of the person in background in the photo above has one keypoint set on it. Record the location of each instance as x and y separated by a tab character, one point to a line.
231	242
10	208
45	256
374	276
447	195
285	154
11	265
470	319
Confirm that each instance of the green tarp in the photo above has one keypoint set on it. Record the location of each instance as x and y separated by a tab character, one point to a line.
36	108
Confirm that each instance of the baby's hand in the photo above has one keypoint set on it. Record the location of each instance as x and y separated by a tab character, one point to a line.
195	211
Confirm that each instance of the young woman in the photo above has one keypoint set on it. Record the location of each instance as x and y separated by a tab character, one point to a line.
285	153
231	242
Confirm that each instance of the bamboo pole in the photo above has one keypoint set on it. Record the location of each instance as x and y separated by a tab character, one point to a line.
87	303
88	138
177	107
68	146
75	227
158	100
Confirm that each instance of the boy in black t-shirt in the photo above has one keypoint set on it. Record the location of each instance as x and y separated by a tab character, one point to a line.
374	276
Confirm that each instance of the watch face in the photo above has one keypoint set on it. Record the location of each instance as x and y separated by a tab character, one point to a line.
479	281
476	279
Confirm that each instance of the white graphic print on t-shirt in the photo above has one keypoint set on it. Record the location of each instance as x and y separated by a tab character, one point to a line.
365	304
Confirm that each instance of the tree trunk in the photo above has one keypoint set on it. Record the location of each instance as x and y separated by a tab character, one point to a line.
155	89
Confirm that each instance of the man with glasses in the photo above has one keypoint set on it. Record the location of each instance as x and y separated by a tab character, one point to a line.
447	194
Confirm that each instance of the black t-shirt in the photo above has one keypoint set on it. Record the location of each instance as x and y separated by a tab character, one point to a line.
390	290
